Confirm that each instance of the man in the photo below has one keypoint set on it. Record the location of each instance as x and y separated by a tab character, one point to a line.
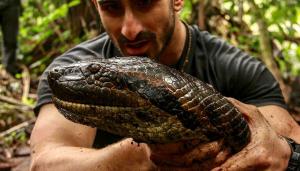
152	28
10	11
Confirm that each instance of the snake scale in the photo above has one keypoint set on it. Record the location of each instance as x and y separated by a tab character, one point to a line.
150	102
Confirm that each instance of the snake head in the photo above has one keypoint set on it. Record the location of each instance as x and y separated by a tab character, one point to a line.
96	83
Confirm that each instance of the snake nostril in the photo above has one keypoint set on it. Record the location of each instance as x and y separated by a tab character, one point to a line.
55	70
55	74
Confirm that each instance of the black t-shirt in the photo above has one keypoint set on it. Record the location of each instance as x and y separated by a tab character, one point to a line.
212	60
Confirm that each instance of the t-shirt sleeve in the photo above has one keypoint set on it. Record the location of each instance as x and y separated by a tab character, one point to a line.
242	76
44	94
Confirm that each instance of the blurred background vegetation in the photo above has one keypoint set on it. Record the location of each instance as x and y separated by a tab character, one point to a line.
48	28
267	29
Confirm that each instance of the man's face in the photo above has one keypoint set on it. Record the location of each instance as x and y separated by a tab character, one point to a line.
138	27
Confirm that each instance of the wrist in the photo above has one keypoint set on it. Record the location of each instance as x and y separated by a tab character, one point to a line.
294	160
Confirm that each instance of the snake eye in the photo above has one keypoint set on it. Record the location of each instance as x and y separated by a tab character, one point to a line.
108	84
93	68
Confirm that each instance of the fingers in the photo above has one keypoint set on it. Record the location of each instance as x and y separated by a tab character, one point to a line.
198	154
131	146
131	155
242	107
205	151
197	165
222	156
250	112
244	161
174	148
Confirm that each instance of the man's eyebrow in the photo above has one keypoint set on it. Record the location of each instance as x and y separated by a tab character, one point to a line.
105	1
101	1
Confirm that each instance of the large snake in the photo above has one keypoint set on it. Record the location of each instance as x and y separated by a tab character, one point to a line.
150	102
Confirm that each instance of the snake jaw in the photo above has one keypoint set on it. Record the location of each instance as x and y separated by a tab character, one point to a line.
93	83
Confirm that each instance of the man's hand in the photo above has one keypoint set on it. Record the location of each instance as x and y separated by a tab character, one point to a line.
129	155
266	150
189	156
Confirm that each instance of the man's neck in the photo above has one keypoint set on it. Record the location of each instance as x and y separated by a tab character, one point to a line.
173	51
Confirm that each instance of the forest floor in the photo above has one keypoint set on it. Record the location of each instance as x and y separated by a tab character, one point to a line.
17	120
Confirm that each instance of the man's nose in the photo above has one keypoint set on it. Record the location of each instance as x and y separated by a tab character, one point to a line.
131	26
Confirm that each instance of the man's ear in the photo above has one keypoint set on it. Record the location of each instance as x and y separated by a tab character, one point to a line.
178	4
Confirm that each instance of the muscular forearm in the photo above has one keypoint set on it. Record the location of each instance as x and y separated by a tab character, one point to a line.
125	154
69	158
281	121
67	146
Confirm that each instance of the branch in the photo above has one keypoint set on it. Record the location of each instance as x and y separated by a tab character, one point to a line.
14	101
287	37
16	128
201	14
292	39
265	46
240	10
26	81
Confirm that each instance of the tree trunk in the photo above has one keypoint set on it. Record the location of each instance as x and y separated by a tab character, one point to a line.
266	48
83	18
201	14
240	10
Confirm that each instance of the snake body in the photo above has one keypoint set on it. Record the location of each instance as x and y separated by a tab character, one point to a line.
150	102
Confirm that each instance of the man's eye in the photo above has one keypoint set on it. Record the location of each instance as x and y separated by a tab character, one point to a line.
110	6
144	3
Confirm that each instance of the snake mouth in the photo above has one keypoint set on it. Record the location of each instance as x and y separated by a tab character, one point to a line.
81	108
98	98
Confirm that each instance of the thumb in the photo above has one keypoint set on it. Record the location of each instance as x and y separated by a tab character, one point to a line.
250	112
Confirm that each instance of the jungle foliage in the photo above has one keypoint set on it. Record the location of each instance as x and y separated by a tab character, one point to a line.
49	28
242	22
267	29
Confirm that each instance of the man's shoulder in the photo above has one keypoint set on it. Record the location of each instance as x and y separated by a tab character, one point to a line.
209	42
206	44
98	40
203	35
232	71
95	46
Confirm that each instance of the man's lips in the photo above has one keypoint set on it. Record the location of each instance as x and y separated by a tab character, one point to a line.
137	43
137	48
